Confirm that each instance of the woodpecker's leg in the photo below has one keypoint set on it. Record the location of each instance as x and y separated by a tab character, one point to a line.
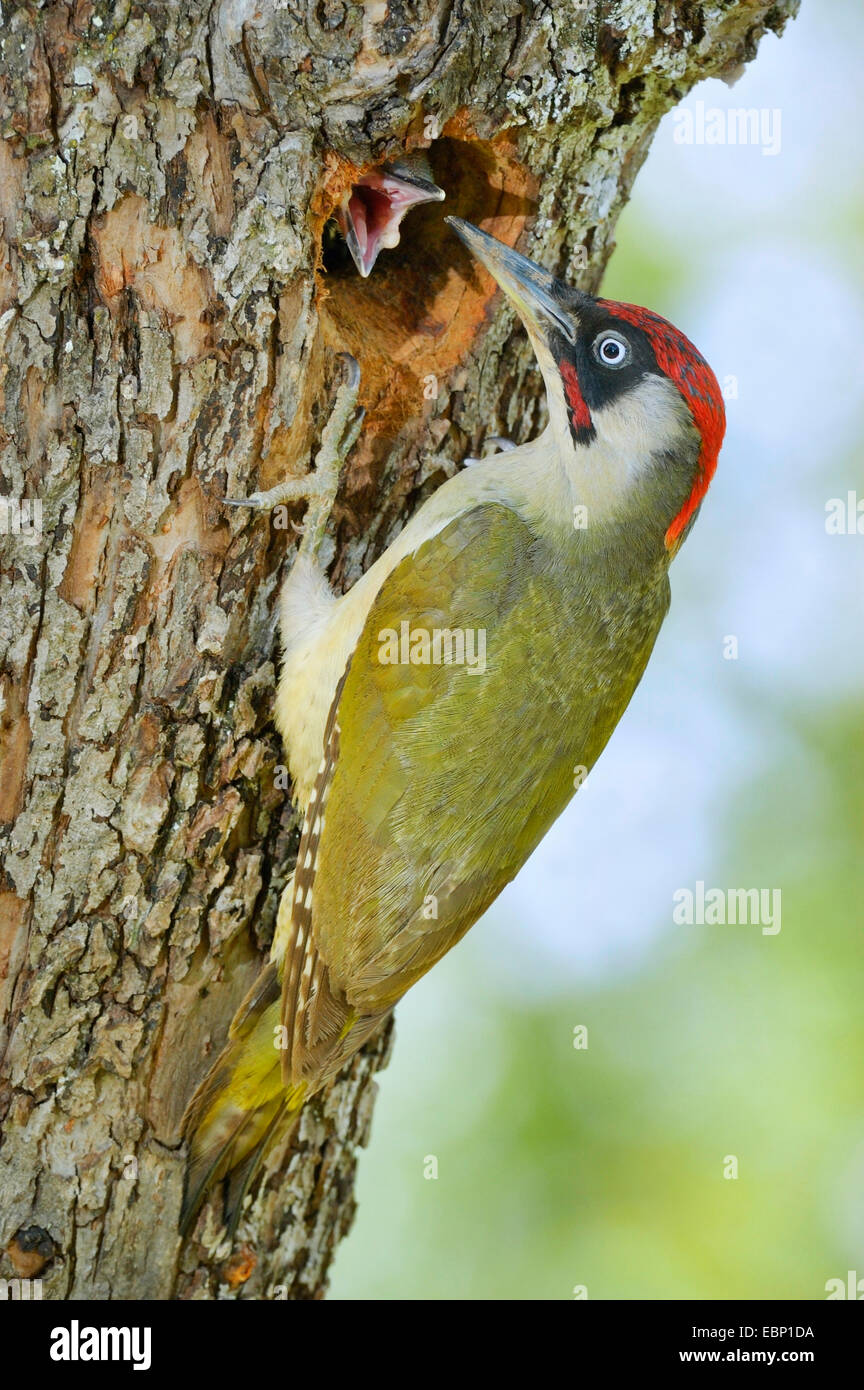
321	484
307	606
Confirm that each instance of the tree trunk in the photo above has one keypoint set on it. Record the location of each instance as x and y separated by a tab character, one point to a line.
169	309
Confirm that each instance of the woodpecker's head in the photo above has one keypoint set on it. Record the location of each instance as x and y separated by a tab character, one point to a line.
636	411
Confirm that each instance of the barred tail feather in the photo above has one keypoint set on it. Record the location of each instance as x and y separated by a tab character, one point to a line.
279	1129
234	1114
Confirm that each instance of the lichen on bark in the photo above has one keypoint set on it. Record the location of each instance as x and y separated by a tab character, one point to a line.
168	320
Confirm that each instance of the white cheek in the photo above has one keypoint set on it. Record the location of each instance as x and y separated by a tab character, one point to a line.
630	433
644	421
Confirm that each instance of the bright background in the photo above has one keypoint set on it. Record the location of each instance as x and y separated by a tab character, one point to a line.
604	1167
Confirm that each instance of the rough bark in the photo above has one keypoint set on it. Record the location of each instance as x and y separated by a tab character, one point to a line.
168	320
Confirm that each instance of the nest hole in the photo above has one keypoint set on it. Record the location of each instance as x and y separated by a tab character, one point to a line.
417	314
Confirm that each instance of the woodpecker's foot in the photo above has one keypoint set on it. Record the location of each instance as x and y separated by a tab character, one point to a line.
498	442
320	485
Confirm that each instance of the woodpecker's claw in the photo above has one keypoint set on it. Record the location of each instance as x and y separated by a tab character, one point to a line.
371	211
352	371
254	500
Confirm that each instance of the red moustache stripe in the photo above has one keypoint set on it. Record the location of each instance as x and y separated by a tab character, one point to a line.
579	412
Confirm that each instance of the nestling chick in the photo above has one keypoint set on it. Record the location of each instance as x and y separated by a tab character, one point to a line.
371	211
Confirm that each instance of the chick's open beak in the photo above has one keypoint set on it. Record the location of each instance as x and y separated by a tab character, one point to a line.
370	214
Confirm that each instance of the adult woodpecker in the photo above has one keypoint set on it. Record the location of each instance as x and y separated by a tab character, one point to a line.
371	211
426	785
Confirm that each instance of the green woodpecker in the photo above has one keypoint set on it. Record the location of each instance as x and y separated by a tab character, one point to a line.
428	775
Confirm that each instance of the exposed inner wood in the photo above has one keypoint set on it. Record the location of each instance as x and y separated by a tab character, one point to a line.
418	313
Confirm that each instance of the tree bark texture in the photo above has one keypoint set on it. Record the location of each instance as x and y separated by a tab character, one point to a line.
170	306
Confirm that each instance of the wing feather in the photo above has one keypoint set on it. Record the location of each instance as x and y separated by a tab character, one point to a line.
439	781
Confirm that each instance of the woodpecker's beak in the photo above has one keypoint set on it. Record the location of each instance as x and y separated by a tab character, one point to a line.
371	212
532	289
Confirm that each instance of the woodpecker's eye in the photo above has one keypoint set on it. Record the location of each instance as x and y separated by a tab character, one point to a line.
611	349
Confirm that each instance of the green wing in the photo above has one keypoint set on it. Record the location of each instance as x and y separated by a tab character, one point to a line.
433	804
434	787
439	782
